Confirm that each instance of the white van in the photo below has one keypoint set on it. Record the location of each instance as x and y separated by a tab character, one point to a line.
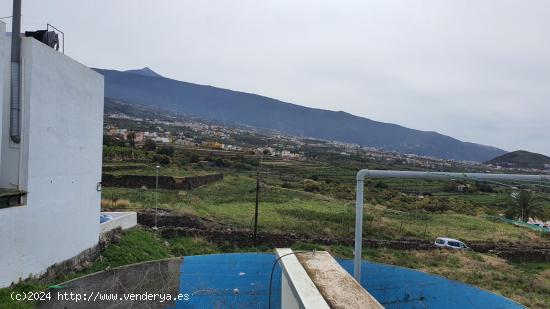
444	242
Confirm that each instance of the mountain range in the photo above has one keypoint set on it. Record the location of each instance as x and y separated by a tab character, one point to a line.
145	87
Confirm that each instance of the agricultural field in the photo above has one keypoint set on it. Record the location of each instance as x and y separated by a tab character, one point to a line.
231	202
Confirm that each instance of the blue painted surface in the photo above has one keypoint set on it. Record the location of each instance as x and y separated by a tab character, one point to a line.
211	281
398	287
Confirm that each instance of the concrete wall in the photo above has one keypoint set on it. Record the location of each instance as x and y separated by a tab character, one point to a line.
123	220
297	289
60	162
4	73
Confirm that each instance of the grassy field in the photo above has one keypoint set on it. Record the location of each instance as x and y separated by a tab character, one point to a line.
231	201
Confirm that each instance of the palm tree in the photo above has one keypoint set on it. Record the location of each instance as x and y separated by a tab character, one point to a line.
525	204
131	137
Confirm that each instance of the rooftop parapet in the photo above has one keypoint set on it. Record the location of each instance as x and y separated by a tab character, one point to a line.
316	280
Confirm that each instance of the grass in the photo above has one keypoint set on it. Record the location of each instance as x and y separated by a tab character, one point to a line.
6	300
231	201
149	169
136	246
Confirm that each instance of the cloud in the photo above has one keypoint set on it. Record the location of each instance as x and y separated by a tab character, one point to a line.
476	70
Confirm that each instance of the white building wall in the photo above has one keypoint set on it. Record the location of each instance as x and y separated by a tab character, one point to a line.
61	163
3	68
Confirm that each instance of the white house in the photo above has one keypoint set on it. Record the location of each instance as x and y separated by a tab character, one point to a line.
55	167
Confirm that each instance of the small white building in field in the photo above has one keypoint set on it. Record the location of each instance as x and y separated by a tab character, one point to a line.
50	179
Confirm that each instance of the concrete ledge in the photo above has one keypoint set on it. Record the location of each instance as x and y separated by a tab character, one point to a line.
297	289
123	220
336	285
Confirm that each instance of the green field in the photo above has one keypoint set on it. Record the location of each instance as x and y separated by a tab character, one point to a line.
231	201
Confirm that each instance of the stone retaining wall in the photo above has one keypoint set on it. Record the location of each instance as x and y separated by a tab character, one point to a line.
83	260
165	182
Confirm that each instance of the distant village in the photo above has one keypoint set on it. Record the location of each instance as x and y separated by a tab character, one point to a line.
198	134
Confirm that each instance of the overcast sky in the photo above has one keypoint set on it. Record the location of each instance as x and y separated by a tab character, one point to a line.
477	70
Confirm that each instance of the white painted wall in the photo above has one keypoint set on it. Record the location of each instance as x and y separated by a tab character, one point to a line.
297	289
3	64
60	155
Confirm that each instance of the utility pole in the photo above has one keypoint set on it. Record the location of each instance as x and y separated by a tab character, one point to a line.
156	197
257	201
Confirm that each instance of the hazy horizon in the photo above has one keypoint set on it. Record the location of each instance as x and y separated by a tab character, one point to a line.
474	70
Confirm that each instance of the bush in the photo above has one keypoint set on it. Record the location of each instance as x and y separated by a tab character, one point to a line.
311	185
219	162
114	203
116	152
194	158
112	141
166	150
161	159
485	187
380	185
149	145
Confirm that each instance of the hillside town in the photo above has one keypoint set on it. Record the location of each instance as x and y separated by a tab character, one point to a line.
171	130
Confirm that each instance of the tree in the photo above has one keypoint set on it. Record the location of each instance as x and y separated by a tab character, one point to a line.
161	159
131	137
149	145
166	150
524	205
112	141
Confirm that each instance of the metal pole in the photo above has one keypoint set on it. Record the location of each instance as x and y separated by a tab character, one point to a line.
15	88
415	175
257	201
359	224
157	197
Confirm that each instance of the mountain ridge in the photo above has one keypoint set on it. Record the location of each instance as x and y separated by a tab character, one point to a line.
521	159
146	71
259	111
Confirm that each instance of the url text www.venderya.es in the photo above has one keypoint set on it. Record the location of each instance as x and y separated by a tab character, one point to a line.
97	296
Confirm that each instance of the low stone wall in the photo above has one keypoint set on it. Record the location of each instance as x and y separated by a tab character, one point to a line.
83	260
112	168
155	278
165	182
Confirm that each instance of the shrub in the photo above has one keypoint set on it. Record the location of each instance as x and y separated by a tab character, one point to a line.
106	203
194	158
166	150
112	141
311	186
149	145
380	185
117	152
161	159
115	203
122	203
